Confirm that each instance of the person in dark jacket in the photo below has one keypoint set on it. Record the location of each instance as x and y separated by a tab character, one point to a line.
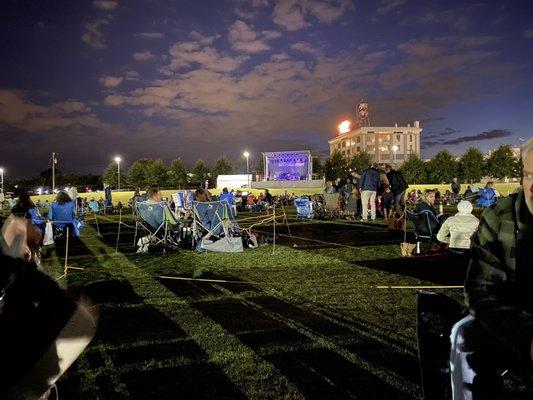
456	187
498	333
369	185
398	185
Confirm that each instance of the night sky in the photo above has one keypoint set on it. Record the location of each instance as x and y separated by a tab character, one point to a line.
197	79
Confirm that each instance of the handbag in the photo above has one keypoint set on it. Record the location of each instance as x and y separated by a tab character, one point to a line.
48	238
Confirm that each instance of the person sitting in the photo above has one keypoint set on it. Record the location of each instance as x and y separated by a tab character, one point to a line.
426	203
62	211
488	196
457	230
498	332
227	196
468	193
156	197
202	195
24	208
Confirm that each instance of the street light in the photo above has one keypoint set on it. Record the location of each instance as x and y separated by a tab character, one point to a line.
2	179
118	160
247	155
394	150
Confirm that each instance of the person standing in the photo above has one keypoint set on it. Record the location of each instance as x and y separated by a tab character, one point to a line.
369	184
108	197
456	188
398	185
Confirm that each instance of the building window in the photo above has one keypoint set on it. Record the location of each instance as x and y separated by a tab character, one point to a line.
411	147
410	138
348	151
398	138
358	139
338	145
358	149
344	143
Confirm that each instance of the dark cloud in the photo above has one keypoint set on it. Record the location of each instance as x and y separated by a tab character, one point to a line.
446	132
492	134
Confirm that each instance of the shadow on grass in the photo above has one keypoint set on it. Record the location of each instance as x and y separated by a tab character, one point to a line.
317	372
442	270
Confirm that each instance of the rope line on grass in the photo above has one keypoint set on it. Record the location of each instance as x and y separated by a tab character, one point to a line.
180	278
421	287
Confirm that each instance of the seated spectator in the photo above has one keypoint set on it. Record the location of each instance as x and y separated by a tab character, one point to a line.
156	197
202	195
24	208
458	230
227	196
468	192
62	210
426	203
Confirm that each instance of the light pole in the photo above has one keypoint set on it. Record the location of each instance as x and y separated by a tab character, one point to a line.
2	179
247	155
118	160
394	150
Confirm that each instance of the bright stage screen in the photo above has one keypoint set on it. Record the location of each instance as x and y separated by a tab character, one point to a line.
287	166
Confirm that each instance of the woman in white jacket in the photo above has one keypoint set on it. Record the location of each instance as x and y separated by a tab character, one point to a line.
459	229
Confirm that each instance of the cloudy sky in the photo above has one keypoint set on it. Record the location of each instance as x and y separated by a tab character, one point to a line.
156	78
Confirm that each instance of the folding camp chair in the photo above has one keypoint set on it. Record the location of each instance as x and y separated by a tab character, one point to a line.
331	204
63	216
94	207
159	224
423	223
436	314
214	220
183	201
304	207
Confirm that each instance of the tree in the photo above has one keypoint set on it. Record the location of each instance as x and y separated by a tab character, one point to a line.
137	173
442	168
222	167
157	173
200	173
177	176
336	166
360	161
471	165
502	163
318	168
110	176
414	170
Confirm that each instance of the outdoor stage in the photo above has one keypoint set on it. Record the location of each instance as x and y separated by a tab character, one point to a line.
288	169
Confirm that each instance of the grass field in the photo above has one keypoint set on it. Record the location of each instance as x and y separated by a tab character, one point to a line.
123	197
303	321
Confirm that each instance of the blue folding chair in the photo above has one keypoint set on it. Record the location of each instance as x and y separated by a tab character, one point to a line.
153	218
304	207
214	219
63	216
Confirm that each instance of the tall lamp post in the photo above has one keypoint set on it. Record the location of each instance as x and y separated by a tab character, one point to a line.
118	160
394	150
2	179
247	155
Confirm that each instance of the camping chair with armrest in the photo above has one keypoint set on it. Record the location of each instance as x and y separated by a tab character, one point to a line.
63	216
304	207
424	223
159	224
213	221
331	204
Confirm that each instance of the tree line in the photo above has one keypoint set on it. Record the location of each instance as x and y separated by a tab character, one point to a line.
442	168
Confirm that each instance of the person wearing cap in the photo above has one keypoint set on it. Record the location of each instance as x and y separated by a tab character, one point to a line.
458	230
498	332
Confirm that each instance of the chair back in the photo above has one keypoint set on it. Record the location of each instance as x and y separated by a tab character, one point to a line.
153	214
331	201
62	214
212	215
304	208
94	206
424	223
183	200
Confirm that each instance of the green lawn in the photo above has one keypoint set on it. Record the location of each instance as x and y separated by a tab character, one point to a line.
124	196
303	321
